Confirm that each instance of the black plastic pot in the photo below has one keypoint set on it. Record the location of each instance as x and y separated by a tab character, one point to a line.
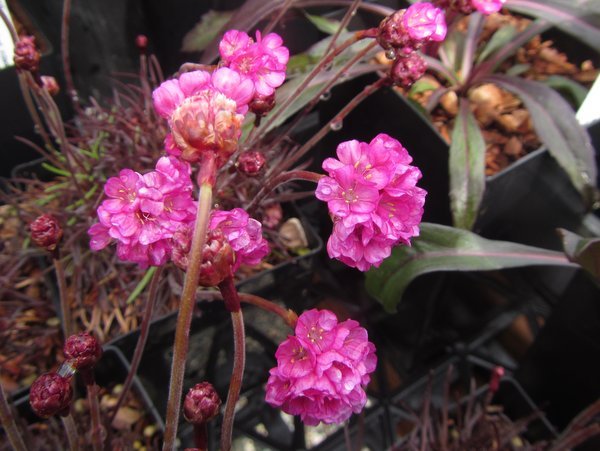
112	368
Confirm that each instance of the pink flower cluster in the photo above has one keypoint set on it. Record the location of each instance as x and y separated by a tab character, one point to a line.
243	233
321	371
262	61
143	212
373	199
488	6
424	22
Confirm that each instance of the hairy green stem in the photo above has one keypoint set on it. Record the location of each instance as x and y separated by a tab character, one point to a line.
184	319
9	425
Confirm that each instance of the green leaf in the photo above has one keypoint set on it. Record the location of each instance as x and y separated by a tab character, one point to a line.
442	248
555	123
583	251
420	86
141	285
55	170
198	38
467	168
574	90
323	24
518	69
499	39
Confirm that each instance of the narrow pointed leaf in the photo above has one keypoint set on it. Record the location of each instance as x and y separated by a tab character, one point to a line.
443	248
198	38
583	251
467	168
498	40
323	24
555	123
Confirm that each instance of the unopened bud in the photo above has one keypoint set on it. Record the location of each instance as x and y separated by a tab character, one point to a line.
391	33
46	231
26	55
50	84
406	70
462	6
201	403
261	105
272	216
250	163
497	374
83	350
51	394
141	42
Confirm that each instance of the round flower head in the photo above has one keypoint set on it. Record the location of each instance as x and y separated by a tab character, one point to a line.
243	233
83	349
425	22
263	62
46	231
205	112
488	6
50	394
407	69
201	404
373	199
322	371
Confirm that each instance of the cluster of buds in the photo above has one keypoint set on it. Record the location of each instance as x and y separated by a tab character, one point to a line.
27	58
403	33
52	393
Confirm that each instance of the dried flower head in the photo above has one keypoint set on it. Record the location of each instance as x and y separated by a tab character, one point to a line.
46	231
201	403
322	371
50	394
83	350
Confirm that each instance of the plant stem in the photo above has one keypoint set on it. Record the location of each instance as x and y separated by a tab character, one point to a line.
92	395
186	309
141	343
201	436
280	179
64	51
289	316
71	432
8	423
65	308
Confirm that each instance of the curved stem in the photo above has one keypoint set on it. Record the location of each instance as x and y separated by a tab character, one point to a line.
345	20
280	179
141	343
65	308
278	17
64	51
289	316
92	395
71	432
9	425
235	386
184	319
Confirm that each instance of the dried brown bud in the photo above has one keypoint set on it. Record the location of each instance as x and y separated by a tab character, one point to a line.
51	394
26	55
46	231
261	105
201	403
250	163
408	69
50	84
83	350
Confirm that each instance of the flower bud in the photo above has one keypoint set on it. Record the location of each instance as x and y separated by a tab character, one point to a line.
46	231
391	33
262	105
272	216
201	403
50	84
26	55
250	163
497	374
50	394
83	350
141	42
406	70
462	6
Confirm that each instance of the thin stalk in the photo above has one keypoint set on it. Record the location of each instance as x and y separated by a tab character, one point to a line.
201	436
92	395
65	308
35	117
8	423
289	316
345	20
278	17
235	386
184	318
70	431
338	118
66	57
9	25
280	179
142	339
325	61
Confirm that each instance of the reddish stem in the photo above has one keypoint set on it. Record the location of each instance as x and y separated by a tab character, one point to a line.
289	316
92	394
201	436
9	425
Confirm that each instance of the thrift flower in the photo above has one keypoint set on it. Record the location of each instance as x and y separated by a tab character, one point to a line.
322	371
488	6
143	212
262	61
243	233
425	22
373	199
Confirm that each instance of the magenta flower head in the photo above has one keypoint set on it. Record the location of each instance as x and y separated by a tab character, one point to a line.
83	350
243	233
205	112
425	22
51	394
407	69
201	403
263	61
322	371
46	231
373	199
488	6
143	212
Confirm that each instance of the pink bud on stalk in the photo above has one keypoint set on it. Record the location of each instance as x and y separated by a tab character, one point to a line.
406	70
26	55
251	163
488	6
83	350
51	394
201	403
46	232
